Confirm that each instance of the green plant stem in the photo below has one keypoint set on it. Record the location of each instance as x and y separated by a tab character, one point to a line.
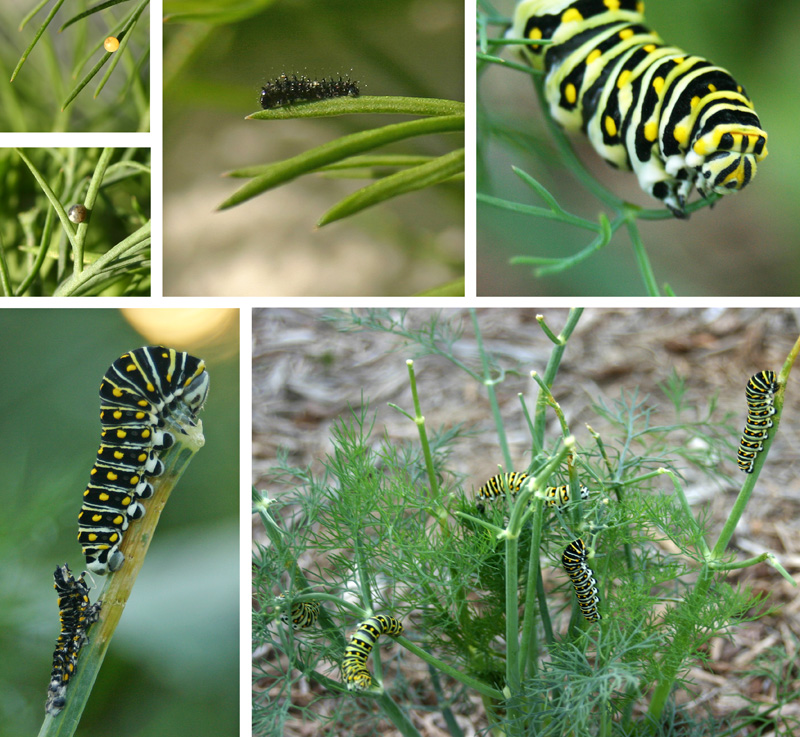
473	683
68	288
645	269
706	576
550	372
489	383
419	421
5	278
91	196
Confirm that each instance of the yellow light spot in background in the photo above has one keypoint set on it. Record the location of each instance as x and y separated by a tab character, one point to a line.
183	328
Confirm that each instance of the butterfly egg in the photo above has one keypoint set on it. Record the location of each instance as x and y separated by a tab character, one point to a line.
77	213
111	44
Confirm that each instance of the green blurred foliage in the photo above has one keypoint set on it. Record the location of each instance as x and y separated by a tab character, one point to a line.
176	648
33	101
745	245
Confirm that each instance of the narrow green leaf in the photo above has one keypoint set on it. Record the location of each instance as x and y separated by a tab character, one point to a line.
271	175
408	180
364	104
36	38
54	201
91	11
451	289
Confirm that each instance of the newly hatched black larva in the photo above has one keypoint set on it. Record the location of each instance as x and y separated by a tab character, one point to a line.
286	90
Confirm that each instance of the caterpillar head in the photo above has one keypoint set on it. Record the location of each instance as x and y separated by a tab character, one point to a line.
196	389
726	158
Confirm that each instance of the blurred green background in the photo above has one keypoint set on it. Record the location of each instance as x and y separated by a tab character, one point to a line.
32	102
269	246
745	245
176	648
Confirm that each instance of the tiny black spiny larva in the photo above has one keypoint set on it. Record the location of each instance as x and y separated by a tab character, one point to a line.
286	90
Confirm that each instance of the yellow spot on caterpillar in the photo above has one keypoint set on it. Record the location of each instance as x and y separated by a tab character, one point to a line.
611	4
570	94
593	56
651	131
681	134
658	84
571	16
535	34
611	126
623	78
627	33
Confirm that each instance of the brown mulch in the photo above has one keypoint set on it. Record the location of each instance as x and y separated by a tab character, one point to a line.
306	374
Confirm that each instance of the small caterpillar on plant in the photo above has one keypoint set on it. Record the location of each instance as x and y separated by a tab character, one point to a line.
287	90
557	496
760	395
574	560
76	615
303	614
354	663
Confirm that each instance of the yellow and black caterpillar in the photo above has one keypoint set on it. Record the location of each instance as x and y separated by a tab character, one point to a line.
675	119
557	496
354	663
760	395
574	560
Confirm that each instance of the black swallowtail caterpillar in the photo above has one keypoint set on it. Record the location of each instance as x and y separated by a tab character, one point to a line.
354	663
676	119
139	393
287	90
77	615
574	560
303	615
557	496
760	394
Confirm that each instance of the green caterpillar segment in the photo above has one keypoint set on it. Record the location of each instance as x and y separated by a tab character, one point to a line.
678	121
354	663
760	395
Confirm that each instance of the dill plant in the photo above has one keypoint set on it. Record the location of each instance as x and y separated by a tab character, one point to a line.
388	529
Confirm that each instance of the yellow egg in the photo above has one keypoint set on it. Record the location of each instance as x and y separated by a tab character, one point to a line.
111	44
